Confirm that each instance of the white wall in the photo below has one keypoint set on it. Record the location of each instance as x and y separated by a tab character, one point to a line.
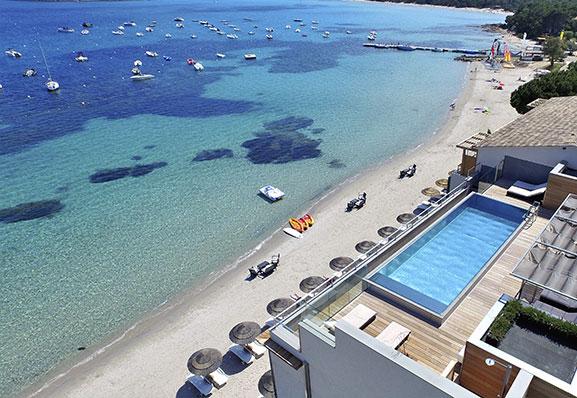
548	156
359	366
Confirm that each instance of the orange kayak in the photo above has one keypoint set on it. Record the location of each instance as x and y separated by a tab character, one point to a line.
296	224
304	223
309	219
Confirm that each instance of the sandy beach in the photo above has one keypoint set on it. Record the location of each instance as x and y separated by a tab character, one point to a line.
149	360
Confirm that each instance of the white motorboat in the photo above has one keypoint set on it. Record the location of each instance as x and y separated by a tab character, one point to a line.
131	23
120	27
348	32
65	29
29	72
193	36
179	25
326	35
315	22
297	30
52	85
220	55
251	33
137	62
236	29
139	34
249	56
117	32
198	66
269	30
80	57
287	27
220	32
269	37
151	54
84	32
371	38
141	77
271	193
179	19
168	36
233	37
314	28
12	53
149	29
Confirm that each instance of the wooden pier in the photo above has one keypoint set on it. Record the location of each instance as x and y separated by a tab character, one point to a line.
404	47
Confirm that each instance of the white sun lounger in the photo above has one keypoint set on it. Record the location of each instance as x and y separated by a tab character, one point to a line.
242	353
360	316
256	348
203	386
526	190
218	378
394	335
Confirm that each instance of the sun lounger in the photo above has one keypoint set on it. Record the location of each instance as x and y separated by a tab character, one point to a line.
526	190
394	335
218	378
257	349
242	353
360	316
203	386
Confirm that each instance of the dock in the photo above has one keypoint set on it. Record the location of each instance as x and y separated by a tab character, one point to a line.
404	47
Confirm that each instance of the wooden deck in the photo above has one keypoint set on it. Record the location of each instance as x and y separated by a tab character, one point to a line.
436	347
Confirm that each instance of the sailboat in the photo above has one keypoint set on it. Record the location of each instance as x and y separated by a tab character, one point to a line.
51	85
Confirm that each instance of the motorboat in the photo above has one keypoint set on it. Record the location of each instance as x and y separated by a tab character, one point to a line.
80	57
297	20
151	54
29	72
234	37
220	32
348	32
271	193
167	58
406	48
269	37
52	85
135	71
326	35
249	56
131	23
141	77
179	25
288	27
314	28
168	36
179	19
269	30
297	30
120	27
198	67
371	38
251	33
86	25
236	29
149	29
152	23
139	34
220	55
213	28
302	24
65	29
315	22
117	32
193	36
84	32
138	63
13	53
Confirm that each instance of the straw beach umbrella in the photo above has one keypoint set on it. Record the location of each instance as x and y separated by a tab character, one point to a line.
340	263
387	231
266	385
244	332
442	183
205	361
405	218
309	284
364	246
430	191
277	306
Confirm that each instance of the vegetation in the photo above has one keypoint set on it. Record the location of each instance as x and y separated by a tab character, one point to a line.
514	312
509	5
544	17
554	49
555	84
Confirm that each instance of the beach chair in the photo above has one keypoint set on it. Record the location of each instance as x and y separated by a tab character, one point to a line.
242	354
360	316
256	348
255	270
526	190
268	269
394	335
203	386
218	378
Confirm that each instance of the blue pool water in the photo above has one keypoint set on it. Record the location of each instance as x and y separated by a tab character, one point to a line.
434	269
112	251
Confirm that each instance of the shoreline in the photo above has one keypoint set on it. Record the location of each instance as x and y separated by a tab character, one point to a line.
157	346
469	9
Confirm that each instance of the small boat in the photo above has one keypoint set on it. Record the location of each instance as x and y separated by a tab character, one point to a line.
29	72
326	35
292	232
234	37
236	29
52	85
139	34
138	63
348	32
65	29
80	57
297	30
314	28
220	55
269	30
86	25
302	24
198	66
193	36
315	22
437	50
120	27
297	20
151	54
152	23
220	32
84	32
288	27
271	193
141	77
149	29
167	58
13	53
179	25
117	32
269	37
371	38
213	28
249	56
135	71
251	33
179	19
168	35
296	224
131	23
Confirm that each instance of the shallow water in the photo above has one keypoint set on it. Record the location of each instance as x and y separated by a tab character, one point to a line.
120	248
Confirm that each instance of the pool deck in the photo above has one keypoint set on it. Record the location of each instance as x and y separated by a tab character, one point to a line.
436	347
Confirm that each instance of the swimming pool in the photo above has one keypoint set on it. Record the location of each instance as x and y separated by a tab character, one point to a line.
435	269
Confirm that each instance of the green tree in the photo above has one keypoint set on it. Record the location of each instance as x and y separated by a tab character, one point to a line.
553	48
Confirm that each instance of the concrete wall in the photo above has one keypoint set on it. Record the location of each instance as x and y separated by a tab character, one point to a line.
548	156
518	169
360	366
289	382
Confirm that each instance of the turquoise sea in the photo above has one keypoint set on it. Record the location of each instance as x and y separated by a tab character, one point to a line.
307	114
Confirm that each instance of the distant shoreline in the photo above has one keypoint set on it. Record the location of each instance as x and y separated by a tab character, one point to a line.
474	9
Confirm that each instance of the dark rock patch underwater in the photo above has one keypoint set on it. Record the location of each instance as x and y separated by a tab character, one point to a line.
118	173
30	211
211	154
